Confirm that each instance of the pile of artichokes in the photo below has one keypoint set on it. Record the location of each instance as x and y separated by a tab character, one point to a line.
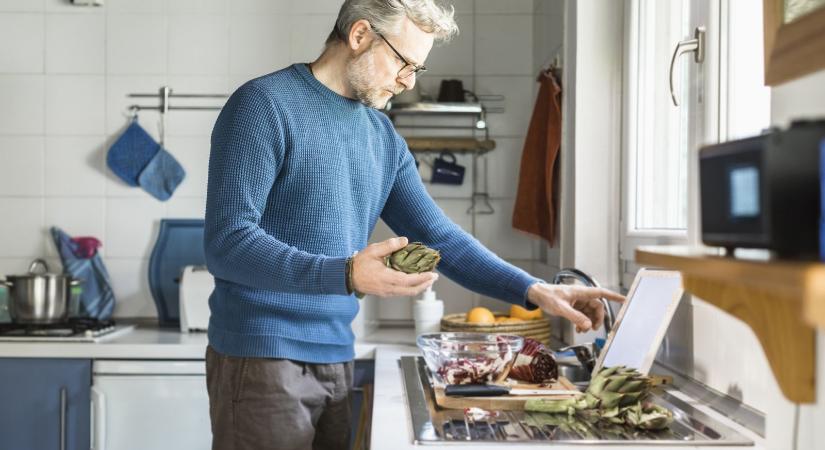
616	402
415	257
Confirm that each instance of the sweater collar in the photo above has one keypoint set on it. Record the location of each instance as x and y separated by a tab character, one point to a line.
303	70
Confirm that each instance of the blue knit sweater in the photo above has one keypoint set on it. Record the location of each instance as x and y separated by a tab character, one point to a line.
298	177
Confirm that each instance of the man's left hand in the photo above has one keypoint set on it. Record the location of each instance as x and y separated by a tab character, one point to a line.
578	304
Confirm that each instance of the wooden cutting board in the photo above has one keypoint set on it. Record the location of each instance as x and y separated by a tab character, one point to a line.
504	402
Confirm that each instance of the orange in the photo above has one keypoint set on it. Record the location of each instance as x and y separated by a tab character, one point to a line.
480	314
506	319
521	313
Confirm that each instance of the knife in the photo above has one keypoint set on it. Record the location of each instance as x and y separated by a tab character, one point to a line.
494	390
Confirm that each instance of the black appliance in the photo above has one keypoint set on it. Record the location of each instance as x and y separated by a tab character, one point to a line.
764	191
73	327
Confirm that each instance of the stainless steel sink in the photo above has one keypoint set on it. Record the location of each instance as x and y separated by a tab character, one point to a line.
434	425
577	374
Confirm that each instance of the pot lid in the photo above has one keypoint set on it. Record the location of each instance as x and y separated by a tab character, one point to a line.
37	268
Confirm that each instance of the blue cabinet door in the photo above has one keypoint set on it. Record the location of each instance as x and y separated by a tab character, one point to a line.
44	403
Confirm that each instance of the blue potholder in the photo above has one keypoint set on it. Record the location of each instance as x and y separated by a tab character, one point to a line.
162	175
131	152
97	300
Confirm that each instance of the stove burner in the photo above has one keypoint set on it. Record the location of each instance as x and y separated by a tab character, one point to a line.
73	327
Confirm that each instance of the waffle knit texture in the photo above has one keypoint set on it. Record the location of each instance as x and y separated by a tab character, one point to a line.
298	178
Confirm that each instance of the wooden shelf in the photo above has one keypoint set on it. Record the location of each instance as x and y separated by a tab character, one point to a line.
782	302
458	145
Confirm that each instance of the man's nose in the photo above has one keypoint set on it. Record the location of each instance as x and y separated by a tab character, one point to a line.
408	82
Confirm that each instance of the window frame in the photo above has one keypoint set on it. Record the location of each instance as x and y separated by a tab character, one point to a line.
630	236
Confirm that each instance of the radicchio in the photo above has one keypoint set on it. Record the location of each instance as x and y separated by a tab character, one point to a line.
481	364
534	364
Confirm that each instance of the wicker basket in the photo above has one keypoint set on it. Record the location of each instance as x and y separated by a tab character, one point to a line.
538	329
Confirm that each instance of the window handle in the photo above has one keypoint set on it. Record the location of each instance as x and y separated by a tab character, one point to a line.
696	46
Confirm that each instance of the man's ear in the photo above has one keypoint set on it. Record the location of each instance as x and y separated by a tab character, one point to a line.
359	36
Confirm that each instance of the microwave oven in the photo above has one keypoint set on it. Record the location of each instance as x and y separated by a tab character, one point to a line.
764	191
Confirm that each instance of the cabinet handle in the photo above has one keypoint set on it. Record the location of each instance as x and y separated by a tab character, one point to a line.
63	405
695	46
99	422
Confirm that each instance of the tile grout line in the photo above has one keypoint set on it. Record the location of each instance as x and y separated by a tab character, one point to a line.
44	130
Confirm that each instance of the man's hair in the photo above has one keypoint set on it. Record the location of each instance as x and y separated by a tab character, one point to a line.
385	17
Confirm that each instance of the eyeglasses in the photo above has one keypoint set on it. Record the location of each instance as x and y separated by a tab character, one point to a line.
408	68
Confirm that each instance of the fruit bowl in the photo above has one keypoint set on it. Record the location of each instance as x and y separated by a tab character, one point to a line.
464	358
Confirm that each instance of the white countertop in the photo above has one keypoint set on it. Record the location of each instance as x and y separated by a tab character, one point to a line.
391	426
150	342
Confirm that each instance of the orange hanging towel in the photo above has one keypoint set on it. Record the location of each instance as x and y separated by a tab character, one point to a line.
536	205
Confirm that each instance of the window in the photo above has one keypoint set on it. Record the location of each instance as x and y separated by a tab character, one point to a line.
722	98
748	100
658	171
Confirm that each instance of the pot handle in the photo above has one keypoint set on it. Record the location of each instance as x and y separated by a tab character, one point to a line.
38	262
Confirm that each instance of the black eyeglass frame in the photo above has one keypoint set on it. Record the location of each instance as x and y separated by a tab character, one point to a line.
416	69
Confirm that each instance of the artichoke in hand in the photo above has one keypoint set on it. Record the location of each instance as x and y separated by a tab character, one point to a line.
415	257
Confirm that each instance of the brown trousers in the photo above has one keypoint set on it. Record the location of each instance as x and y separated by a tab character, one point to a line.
261	403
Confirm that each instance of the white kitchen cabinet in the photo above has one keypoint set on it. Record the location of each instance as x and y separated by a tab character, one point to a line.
138	405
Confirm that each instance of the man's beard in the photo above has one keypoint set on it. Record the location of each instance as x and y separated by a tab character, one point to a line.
359	76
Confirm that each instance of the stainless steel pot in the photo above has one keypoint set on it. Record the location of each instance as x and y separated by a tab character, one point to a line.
39	297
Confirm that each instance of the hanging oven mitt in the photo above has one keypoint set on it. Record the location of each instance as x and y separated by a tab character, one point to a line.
131	152
97	299
162	175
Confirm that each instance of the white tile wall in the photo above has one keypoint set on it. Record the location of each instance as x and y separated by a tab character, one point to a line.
499	7
197	6
136	44
135	6
21	170
259	6
67	32
66	71
21	225
504	44
75	104
21	104
318	25
258	43
18	6
74	165
198	44
21	43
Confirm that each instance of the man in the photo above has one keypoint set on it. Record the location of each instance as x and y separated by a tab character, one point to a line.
302	167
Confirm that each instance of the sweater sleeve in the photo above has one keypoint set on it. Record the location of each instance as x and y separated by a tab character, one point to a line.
411	212
247	153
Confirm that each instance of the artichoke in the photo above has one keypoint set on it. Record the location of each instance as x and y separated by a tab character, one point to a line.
415	257
616	397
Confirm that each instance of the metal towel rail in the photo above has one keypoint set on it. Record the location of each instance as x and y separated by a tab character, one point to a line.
163	96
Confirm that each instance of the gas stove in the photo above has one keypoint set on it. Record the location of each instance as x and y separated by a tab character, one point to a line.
78	329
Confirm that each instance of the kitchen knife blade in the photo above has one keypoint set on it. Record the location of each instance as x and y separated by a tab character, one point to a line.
491	390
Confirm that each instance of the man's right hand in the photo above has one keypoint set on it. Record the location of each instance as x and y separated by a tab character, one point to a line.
370	275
